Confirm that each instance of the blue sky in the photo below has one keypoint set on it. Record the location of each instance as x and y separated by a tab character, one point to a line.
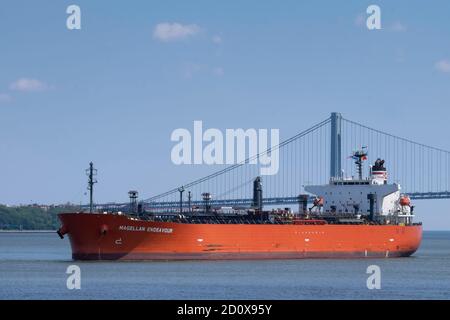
114	91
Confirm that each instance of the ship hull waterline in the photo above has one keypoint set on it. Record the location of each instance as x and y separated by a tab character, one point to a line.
119	237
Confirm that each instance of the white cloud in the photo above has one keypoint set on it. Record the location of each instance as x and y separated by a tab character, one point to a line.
398	27
4	97
217	39
443	66
28	85
218	71
174	31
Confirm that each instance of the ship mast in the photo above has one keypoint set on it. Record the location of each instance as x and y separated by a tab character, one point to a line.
359	156
91	172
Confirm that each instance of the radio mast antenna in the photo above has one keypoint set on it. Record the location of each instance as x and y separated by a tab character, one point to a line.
91	173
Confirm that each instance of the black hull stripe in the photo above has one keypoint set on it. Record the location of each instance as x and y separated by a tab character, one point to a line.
240	256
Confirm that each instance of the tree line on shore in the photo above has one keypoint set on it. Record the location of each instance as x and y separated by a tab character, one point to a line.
30	217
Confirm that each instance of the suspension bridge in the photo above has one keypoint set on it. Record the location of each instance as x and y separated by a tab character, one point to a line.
313	156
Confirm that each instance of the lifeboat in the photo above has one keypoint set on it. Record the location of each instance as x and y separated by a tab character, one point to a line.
405	201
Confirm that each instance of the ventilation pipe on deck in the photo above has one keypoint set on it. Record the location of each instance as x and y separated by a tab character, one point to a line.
303	203
257	194
371	198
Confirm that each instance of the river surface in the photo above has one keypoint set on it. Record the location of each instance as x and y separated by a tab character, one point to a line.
34	265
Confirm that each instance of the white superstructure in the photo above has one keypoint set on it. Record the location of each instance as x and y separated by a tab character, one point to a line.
351	195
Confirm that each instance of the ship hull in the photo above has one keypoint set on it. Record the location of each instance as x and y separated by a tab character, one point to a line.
119	237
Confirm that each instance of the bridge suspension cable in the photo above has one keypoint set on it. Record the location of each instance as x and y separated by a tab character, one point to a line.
230	181
423	171
419	168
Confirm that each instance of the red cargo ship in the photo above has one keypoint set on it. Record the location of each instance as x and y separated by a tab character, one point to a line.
350	218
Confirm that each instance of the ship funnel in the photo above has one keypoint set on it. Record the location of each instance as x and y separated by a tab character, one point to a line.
378	173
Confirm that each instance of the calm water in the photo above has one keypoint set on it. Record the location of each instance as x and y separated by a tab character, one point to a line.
33	266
